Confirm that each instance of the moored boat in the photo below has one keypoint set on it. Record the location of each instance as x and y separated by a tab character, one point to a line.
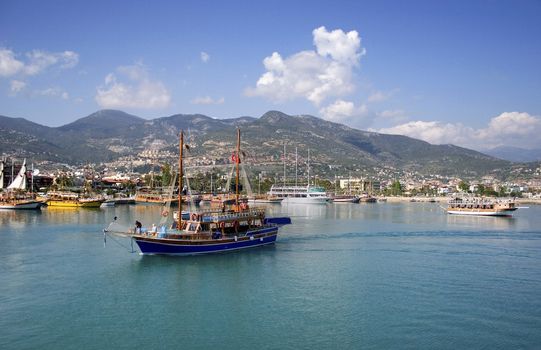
264	198
108	203
72	200
222	199
160	197
300	194
19	203
481	206
16	197
368	199
345	199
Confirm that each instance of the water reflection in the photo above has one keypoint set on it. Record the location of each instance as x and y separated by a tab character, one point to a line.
308	210
19	218
343	217
484	222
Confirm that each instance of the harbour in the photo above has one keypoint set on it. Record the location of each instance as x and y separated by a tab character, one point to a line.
343	275
246	175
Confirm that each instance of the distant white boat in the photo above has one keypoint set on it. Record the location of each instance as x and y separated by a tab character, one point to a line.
264	199
346	199
481	206
108	203
300	194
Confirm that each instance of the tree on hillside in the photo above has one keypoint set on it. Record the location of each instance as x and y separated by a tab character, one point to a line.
166	175
395	189
464	186
480	190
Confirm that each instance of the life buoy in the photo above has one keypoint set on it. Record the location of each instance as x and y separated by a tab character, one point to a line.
165	213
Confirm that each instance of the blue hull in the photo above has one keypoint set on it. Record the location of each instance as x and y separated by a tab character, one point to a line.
181	247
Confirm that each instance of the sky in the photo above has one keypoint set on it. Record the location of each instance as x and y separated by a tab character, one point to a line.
460	72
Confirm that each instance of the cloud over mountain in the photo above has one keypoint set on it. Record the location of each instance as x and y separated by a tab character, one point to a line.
132	87
313	75
341	111
508	129
207	100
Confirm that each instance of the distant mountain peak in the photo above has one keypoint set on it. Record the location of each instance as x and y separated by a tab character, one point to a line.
102	119
274	117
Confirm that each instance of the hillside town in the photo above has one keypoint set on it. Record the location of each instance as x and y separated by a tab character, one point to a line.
130	173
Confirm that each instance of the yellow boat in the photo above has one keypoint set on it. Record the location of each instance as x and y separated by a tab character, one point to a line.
72	200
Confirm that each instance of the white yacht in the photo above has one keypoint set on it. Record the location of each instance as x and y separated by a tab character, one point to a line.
300	194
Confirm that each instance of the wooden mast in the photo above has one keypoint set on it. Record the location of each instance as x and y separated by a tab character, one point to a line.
237	161
180	175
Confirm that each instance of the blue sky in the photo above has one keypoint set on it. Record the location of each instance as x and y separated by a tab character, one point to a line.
462	72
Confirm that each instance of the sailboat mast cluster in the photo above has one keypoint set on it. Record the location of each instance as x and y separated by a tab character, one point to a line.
208	231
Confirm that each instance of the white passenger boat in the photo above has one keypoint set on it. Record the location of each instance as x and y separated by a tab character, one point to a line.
481	206
300	194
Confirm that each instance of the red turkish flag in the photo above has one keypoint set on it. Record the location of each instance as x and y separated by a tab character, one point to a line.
234	158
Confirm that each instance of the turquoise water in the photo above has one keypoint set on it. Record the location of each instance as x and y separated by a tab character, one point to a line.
344	276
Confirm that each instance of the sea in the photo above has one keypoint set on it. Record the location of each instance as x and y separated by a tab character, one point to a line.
342	276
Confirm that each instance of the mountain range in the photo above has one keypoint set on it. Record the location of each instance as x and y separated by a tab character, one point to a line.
515	154
108	135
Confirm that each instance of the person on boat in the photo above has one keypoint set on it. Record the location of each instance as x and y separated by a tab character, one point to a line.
153	229
223	208
138	227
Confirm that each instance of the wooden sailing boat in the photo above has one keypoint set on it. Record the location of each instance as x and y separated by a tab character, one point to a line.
238	227
16	196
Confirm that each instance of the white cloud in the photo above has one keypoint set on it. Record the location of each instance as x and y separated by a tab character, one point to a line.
16	86
433	132
343	111
207	100
512	124
340	46
53	92
137	90
9	65
205	57
313	75
508	129
391	116
36	61
392	113
380	96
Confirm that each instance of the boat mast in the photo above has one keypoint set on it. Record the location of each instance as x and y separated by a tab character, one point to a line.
237	161
180	175
308	167
284	164
296	160
2	172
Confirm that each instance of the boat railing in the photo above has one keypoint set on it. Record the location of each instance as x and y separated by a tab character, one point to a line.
480	201
218	216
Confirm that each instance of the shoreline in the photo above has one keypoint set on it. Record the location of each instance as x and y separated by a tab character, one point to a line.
445	199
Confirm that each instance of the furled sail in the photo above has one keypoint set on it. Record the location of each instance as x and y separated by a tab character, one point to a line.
2	173
19	183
